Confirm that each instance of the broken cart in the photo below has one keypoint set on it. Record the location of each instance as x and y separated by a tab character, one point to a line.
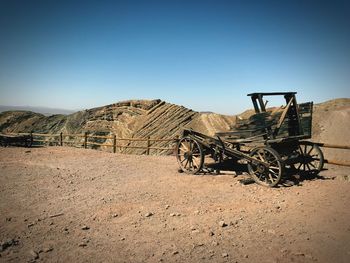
268	142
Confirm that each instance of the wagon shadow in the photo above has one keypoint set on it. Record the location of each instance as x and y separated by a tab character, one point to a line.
291	176
295	178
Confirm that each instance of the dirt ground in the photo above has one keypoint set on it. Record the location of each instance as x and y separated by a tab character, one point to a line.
61	204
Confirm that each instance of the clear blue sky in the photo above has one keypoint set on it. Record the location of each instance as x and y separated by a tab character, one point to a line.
205	55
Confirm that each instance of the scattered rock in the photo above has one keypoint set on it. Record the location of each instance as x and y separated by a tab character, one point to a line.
175	214
85	228
149	214
222	223
224	255
34	254
30	225
8	243
48	249
56	215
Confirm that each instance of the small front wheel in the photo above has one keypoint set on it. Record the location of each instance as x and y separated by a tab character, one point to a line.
189	155
270	173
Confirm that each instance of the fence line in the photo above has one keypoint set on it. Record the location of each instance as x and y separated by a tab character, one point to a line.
62	140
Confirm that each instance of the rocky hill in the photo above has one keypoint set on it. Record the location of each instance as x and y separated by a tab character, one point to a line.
127	119
159	119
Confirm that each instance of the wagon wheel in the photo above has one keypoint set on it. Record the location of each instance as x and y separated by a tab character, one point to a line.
311	158
190	156
268	175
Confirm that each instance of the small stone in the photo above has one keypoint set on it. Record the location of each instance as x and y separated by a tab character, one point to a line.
222	223
246	256
167	206
115	215
47	249
196	212
175	252
172	214
85	228
34	254
82	244
148	214
224	255
211	233
122	239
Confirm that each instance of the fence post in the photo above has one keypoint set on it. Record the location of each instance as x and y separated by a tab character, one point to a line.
85	140
61	139
114	143
31	139
148	145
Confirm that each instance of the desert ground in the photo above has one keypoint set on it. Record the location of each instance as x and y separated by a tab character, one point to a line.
61	204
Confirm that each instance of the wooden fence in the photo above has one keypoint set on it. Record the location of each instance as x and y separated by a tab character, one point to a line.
61	139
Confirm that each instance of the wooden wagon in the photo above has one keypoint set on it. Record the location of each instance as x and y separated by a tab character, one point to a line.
267	142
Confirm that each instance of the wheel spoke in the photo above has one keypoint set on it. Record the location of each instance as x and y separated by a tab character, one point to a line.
308	153
299	166
195	161
185	146
182	150
191	146
308	167
186	163
313	165
271	178
261	158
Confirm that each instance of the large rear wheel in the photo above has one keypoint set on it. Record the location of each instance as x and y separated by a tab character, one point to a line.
190	156
270	173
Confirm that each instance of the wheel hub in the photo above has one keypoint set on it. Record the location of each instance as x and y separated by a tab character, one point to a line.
188	155
261	168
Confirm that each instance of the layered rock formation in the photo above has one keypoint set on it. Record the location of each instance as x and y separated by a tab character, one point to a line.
128	119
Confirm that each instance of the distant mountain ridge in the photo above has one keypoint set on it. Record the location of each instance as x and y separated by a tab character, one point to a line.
43	110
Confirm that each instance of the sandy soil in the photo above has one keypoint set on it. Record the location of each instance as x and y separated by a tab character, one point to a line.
63	204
